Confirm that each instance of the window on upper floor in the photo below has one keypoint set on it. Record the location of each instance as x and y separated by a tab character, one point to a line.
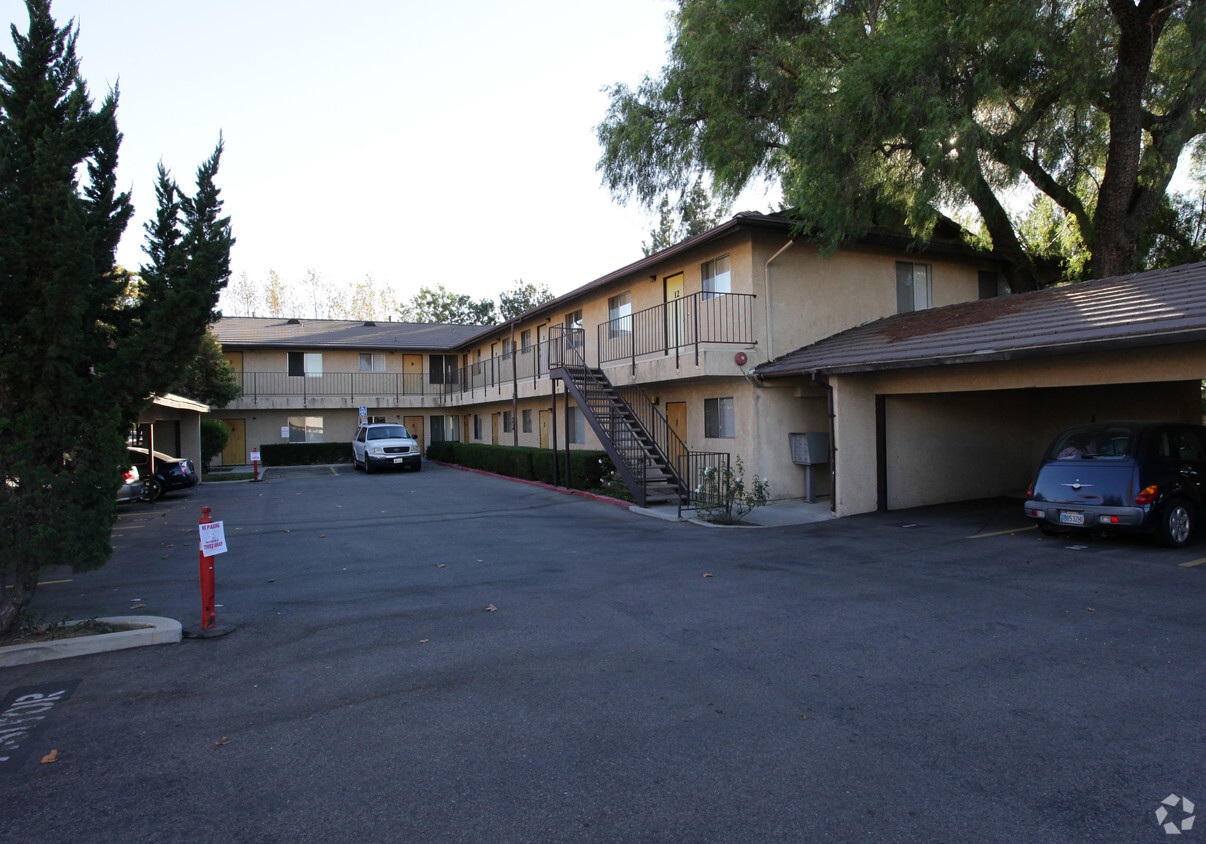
913	287
573	319
308	364
619	314
441	369
525	339
372	363
506	348
716	278
990	284
718	418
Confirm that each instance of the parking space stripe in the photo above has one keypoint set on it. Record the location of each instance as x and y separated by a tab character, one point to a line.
1193	563
44	583
1003	532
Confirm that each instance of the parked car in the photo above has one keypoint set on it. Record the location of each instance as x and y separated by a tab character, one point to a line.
1138	477
168	473
379	445
131	488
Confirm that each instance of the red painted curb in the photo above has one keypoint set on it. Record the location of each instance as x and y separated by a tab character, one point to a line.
592	496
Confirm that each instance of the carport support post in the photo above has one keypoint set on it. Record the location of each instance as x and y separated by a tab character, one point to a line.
208	616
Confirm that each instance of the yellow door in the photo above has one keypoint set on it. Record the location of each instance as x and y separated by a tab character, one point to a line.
235	453
412	375
676	415
544	429
414	424
675	320
494	428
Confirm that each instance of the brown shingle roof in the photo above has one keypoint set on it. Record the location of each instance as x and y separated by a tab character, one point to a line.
272	332
1143	309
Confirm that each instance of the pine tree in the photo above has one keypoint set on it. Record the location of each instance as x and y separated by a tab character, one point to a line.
79	359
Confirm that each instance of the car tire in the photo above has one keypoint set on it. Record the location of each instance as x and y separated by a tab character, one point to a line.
368	467
152	489
1176	523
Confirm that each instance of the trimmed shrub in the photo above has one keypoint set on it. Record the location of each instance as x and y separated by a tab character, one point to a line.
305	454
587	468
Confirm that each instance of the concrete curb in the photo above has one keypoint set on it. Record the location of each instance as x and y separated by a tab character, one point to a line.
151	630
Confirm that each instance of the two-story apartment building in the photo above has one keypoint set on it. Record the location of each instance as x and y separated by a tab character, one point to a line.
677	333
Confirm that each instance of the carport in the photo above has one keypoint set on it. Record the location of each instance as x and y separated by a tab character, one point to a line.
956	403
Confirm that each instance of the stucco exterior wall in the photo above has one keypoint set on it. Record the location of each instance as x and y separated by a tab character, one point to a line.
812	296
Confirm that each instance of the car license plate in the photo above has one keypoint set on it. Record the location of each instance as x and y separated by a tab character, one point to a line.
398	459
1071	517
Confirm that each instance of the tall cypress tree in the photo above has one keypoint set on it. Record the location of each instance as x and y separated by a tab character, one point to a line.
79	360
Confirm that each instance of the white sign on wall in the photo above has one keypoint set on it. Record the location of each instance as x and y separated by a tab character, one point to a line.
284	432
213	538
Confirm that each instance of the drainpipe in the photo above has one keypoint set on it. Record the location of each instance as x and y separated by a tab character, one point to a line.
824	382
770	331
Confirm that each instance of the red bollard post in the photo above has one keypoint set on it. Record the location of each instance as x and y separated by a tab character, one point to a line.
255	470
208	616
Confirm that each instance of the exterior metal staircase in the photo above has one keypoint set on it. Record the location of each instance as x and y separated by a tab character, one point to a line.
651	458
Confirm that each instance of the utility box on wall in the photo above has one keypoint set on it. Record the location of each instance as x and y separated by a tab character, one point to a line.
809	450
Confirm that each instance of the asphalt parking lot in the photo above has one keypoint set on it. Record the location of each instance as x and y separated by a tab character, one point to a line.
446	656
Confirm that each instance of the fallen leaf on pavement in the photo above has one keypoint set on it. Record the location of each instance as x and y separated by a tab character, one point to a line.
137	606
440	565
492	608
52	756
221	741
1090	609
424	641
708	575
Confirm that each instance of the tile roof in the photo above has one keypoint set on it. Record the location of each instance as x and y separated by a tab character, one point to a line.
278	332
1142	309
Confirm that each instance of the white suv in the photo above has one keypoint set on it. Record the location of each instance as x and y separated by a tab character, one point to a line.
376	446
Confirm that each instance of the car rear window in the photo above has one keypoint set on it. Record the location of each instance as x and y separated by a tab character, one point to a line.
1094	442
388	432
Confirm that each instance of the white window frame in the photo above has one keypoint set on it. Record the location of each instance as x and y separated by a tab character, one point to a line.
371	362
716	277
619	314
914	287
305	429
720	418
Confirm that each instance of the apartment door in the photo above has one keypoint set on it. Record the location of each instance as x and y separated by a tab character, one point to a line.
494	428
414	424
235	453
412	374
675	319
544	429
676	415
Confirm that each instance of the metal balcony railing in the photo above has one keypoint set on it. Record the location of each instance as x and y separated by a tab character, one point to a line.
679	326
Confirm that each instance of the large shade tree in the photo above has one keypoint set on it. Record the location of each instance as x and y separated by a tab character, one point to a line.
869	111
79	357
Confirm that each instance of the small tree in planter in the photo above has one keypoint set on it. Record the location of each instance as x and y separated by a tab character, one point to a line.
722	495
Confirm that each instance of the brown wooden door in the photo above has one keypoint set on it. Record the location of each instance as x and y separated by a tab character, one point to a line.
544	429
676	415
414	424
235	453
412	374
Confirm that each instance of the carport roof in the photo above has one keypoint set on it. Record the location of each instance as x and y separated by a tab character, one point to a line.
270	332
1158	307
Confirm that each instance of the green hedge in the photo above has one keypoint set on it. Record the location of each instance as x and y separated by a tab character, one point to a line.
587	468
305	454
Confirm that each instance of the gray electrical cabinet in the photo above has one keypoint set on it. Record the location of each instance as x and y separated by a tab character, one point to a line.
808	450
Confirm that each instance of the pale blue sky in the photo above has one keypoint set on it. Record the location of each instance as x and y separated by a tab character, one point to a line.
417	142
